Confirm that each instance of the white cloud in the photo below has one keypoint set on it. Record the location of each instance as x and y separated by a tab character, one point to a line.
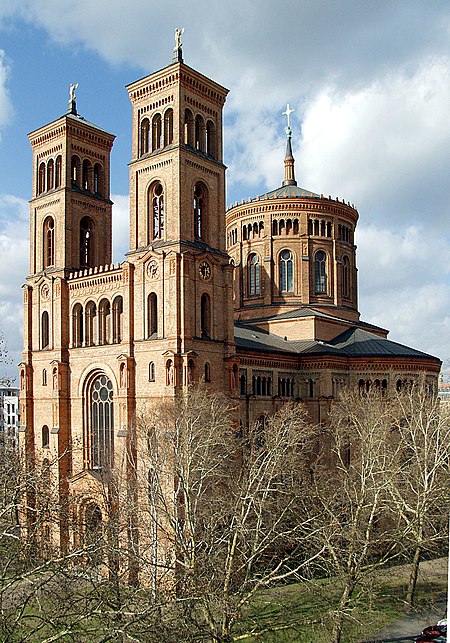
6	110
14	251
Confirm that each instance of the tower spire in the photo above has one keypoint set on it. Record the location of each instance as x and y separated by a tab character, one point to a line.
289	174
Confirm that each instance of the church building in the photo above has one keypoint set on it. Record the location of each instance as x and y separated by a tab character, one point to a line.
257	300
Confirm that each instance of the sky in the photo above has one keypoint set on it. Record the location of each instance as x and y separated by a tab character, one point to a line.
369	81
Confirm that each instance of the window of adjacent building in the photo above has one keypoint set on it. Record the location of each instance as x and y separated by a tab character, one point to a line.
254	275
104	322
49	242
320	272
205	315
199	133
117	320
87	175
45	437
207	372
199	210
86	243
77	326
152	315
50	174
41	178
156	132
170	373
188	128
98	176
75	171
90	317
156	212
99	434
44	377
45	330
211	139
168	126
286	271
346	277
58	172
145	136
151	372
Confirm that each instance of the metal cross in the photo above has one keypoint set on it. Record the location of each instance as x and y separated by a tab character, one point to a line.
288	113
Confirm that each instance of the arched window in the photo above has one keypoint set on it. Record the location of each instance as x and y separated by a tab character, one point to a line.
50	174
320	272
45	437
117	314
168	126
199	211
211	139
199	133
152	315
275	228
295	228
254	275
345	277
49	242
145	136
86	243
98	179
151	372
156	212
58	172
99	427
77	326
44	377
86	182
188	128
243	384
41	178
156	132
205	315
207	372
90	316
286	271
45	330
75	171
104	322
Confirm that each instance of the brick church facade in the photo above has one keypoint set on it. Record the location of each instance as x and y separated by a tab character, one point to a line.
259	300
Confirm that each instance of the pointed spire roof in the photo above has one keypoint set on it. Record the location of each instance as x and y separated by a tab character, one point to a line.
289	172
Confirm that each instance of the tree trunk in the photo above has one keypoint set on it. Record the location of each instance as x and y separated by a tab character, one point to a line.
343	604
413	578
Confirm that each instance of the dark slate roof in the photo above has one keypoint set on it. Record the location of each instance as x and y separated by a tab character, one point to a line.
289	192
361	343
355	342
80	119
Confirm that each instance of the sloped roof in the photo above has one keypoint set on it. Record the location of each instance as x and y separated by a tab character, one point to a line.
289	192
354	342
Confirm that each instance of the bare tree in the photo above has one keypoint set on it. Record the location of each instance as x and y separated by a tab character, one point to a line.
417	478
350	493
223	504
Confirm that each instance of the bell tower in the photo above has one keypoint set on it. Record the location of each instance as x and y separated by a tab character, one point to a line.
177	219
70	205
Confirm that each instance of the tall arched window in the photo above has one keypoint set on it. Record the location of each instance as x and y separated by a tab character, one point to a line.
104	322
145	136
117	313
86	243
45	437
45	330
90	317
207	372
345	277
99	426
93	533
156	132
168	126
49	242
286	265
41	178
205	315
98	179
188	128
75	171
199	133
254	275
211	139
58	171
50	174
156	212
320	272
151	372
199	211
170	373
86	183
77	326
152	315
